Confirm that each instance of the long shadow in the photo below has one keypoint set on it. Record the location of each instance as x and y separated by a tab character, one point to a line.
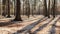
29	27
5	23
2	24
53	30
41	27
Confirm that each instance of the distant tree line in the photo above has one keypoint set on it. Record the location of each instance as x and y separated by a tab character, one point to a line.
26	8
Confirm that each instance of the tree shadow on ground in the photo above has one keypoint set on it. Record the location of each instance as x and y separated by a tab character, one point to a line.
2	24
53	30
41	27
29	27
10	22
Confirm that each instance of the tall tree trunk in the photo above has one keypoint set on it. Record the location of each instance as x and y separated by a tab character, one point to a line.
23	7
48	9
14	7
8	12
39	10
34	5
18	8
27	8
32	11
4	8
53	8
45	6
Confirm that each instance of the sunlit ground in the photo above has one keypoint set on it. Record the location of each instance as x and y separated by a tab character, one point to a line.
37	24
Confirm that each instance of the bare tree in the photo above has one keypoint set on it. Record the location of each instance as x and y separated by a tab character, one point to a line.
53	8
32	9
8	12
45	6
46	10
18	8
27	8
4	7
39	10
34	5
23	7
14	4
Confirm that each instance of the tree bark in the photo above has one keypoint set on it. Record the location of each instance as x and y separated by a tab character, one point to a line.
18	8
48	9
34	5
53	8
45	6
32	11
4	8
14	7
27	8
8	12
23	7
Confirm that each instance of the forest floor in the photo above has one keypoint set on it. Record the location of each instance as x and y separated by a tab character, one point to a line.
37	24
